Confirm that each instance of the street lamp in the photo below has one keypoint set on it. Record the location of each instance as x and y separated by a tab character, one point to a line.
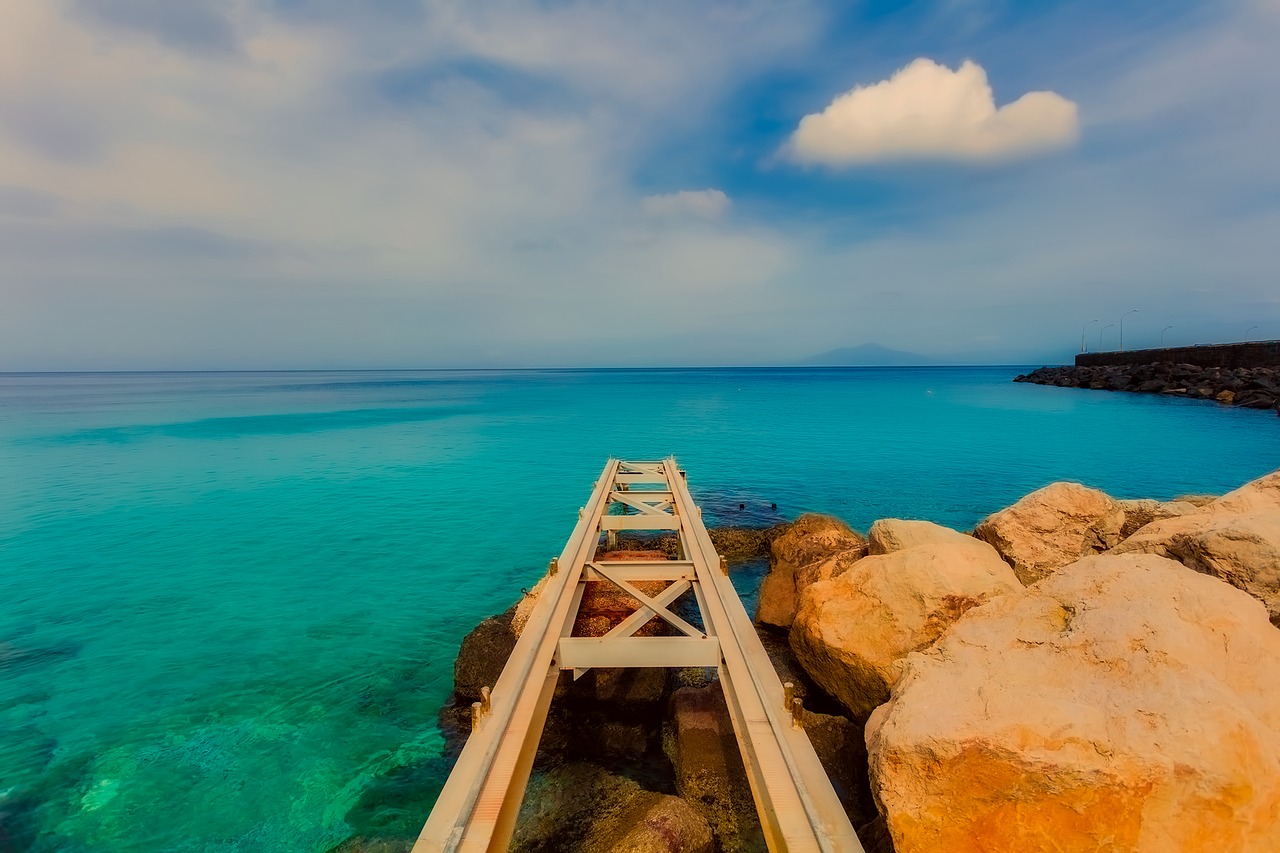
1247	331
1084	348
1100	331
1122	316
1162	331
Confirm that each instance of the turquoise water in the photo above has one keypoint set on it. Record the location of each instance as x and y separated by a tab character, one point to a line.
229	603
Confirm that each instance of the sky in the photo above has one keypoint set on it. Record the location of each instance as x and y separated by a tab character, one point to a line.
258	184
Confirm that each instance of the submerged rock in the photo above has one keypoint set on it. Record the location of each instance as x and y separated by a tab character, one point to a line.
703	750
800	557
853	632
1124	704
581	808
1052	527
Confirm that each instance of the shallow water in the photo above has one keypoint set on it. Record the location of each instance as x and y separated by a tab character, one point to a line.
229	603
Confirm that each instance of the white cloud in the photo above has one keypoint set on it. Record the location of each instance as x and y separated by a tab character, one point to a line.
708	204
928	111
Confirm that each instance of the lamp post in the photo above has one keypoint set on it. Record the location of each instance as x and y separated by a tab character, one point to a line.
1084	348
1100	331
1247	331
1162	331
1122	316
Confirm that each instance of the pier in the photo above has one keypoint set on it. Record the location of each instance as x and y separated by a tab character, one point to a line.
798	808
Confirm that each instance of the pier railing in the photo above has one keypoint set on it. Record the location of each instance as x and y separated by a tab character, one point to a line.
798	808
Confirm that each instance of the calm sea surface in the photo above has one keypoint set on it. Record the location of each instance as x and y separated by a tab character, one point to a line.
229	602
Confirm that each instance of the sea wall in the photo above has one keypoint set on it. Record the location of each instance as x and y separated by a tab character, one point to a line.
1247	387
1251	354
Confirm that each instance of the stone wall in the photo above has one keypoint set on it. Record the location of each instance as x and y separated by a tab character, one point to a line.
1251	354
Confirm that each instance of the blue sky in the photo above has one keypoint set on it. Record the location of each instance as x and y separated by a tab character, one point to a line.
411	183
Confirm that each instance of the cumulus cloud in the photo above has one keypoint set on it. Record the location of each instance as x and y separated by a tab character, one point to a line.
707	204
928	111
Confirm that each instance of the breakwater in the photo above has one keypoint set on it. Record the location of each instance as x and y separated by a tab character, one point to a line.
1247	387
1249	354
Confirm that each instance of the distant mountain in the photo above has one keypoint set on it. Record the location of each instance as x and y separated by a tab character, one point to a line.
871	355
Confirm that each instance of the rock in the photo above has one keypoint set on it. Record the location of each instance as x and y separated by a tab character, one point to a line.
738	544
709	775
483	654
1052	527
1139	513
1242	549
895	534
841	747
1260	494
581	808
853	632
797	559
1195	500
525	606
1226	396
1124	703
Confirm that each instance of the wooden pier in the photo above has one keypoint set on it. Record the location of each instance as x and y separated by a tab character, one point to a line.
799	810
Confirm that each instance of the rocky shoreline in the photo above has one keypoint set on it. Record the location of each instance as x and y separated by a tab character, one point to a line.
1096	657
1246	387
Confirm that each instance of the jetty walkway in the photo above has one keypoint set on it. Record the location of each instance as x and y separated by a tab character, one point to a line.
799	811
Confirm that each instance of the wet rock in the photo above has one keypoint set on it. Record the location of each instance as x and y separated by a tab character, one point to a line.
703	750
1052	527
739	544
853	632
581	808
1124	703
841	747
800	557
483	654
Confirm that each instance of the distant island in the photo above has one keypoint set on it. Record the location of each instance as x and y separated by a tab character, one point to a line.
871	355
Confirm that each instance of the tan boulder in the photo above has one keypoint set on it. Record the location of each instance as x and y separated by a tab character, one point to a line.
1140	513
1123	704
1052	527
1262	493
896	534
1242	549
800	557
853	632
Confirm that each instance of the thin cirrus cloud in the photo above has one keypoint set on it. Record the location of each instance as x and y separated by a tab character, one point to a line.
926	111
706	204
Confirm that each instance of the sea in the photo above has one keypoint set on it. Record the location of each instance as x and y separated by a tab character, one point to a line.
230	602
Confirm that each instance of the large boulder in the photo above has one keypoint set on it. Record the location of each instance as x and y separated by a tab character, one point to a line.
1260	494
853	632
800	557
1125	703
896	534
1052	527
581	808
1242	549
703	749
